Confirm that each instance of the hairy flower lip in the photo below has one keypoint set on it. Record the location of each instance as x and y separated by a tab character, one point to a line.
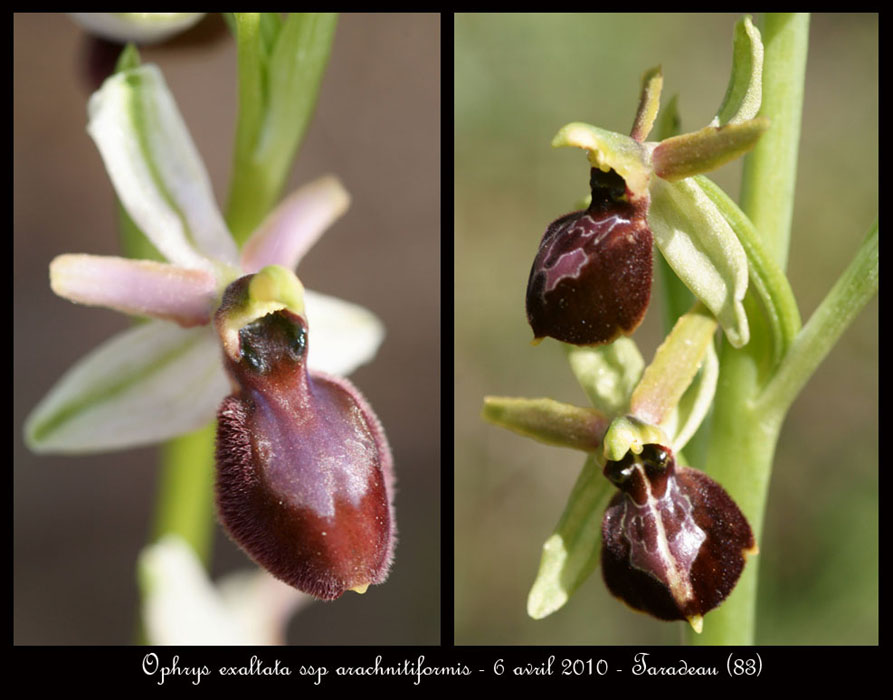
305	474
590	281
674	543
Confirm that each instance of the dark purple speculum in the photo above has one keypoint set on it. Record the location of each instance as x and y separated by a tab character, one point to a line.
591	278
304	473
674	543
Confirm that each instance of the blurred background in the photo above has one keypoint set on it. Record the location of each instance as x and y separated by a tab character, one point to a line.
79	523
519	78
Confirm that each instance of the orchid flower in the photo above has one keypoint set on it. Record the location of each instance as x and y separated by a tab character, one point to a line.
318	513
161	379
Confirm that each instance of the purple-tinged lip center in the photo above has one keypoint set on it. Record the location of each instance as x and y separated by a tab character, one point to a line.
673	541
304	476
591	279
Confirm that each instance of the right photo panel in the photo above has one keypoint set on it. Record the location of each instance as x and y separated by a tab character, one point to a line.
666	345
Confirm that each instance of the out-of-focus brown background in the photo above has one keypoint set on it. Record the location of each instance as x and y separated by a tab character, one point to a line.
81	522
519	78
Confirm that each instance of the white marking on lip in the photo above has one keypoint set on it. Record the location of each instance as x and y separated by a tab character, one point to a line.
687	541
574	260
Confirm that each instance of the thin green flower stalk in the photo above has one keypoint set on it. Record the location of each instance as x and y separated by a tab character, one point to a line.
725	396
743	439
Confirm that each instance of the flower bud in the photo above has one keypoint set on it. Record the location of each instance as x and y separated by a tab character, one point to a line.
304	472
591	278
674	543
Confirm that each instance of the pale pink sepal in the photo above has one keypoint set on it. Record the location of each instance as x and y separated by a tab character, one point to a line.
138	287
295	225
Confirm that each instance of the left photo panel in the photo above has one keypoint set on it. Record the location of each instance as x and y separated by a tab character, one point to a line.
227	329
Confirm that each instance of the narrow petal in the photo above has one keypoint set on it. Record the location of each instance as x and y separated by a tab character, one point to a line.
683	156
145	385
674	366
649	103
695	404
295	225
139	287
156	169
344	335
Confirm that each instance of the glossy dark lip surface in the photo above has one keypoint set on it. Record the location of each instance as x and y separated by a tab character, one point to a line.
591	279
703	533
304	471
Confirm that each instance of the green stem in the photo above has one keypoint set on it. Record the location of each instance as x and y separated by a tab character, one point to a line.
853	290
280	70
185	505
743	439
770	171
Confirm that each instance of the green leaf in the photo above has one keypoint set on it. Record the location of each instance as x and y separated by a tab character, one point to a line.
703	250
572	552
856	287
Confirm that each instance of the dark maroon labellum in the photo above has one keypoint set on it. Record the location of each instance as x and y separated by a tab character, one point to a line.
304	475
674	543
591	278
